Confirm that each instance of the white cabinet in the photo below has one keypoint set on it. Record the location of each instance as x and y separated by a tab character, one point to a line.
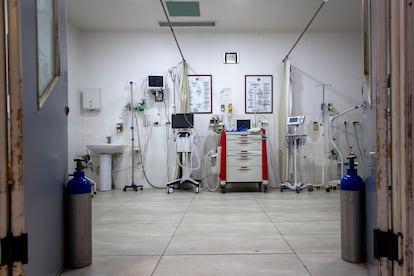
243	159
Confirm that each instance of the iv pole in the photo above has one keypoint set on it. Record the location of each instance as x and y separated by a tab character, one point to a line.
132	186
331	119
323	107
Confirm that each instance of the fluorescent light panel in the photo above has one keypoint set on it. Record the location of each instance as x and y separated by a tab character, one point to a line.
188	24
183	8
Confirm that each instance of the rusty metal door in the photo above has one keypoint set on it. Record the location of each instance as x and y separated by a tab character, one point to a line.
4	210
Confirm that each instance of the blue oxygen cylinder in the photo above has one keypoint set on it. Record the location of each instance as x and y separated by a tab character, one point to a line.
79	219
352	215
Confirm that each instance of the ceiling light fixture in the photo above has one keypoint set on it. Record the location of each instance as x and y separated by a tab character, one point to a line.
188	23
183	8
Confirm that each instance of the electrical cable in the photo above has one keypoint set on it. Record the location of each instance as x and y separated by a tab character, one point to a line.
208	157
141	159
359	147
346	136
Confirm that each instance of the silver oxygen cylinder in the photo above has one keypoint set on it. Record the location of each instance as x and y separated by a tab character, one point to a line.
352	217
79	222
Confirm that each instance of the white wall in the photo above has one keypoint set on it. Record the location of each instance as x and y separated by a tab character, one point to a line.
110	60
74	83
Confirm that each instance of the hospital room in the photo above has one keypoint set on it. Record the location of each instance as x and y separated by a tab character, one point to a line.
213	137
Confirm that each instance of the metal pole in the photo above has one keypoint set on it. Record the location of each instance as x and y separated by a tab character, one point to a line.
172	30
306	28
132	136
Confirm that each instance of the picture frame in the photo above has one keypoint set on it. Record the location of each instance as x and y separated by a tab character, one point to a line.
48	50
258	94
200	93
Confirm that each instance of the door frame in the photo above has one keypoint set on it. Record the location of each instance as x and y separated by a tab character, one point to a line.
395	106
402	80
4	210
15	188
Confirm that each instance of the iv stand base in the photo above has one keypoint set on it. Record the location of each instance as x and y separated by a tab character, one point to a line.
180	181
134	187
296	186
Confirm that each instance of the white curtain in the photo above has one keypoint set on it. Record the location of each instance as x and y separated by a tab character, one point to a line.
285	110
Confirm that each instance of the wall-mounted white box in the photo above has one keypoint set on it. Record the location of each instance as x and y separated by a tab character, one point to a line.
91	99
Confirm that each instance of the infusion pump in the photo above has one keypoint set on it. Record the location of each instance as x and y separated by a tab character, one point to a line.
295	120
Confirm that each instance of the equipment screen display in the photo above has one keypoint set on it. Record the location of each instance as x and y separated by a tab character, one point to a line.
243	123
155	81
293	120
182	120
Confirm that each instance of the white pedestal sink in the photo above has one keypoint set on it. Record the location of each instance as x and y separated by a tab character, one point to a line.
105	152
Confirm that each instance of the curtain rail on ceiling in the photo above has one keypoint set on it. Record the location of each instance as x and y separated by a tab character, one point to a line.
172	30
304	31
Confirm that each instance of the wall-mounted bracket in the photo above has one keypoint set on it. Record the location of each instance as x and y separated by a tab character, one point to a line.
387	244
14	249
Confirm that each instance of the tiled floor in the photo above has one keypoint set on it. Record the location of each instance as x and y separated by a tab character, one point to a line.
151	232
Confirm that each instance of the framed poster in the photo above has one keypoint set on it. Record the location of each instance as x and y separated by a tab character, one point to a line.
200	93
48	56
258	93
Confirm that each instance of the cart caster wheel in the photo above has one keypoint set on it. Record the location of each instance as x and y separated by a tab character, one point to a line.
141	188
196	190
328	190
260	187
124	189
136	189
265	188
318	187
281	189
310	188
334	188
170	190
297	190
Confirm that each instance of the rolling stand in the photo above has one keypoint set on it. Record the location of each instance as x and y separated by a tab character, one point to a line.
184	145
294	142
132	186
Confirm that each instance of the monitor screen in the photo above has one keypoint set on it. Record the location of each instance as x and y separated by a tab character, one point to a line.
156	82
293	119
182	120
243	124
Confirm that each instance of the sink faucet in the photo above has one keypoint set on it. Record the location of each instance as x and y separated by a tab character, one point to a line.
108	139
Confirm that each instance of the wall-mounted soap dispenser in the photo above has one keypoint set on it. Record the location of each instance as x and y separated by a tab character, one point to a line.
91	99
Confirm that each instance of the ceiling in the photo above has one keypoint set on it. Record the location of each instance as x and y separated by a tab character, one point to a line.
229	15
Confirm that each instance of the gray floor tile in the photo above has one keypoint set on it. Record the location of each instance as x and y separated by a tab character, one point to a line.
229	244
223	217
304	215
131	217
332	265
211	233
309	227
131	229
315	243
223	229
129	239
231	265
117	266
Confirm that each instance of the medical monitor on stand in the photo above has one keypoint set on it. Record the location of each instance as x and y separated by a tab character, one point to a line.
184	145
155	82
182	120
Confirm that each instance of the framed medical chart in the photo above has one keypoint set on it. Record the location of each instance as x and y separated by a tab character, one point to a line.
200	93
48	56
258	93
